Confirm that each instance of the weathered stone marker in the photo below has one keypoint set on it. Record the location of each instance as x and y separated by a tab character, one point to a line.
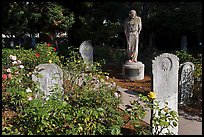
50	78
165	82
133	70
186	82
86	51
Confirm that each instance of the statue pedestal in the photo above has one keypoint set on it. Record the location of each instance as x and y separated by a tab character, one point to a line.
133	71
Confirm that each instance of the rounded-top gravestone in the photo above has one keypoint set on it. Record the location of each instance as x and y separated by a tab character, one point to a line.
49	77
86	51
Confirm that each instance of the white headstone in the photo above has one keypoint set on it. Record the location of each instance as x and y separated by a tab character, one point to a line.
186	82
86	51
165	82
50	77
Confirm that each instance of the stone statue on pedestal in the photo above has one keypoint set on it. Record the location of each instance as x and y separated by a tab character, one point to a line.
133	69
133	26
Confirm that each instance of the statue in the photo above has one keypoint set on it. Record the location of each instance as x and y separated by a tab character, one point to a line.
133	26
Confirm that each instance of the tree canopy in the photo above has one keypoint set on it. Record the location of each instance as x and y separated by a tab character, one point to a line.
19	18
102	22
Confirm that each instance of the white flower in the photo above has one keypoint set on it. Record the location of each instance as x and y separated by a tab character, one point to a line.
21	66
117	95
14	62
28	90
18	61
107	77
12	57
47	98
30	98
16	72
8	70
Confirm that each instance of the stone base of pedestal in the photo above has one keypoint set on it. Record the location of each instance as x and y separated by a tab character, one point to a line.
133	71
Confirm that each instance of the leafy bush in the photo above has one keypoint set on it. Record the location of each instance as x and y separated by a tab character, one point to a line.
186	57
44	53
161	118
110	55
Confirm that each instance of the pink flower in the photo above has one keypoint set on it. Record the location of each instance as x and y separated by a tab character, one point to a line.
55	49
48	44
37	55
4	76
9	76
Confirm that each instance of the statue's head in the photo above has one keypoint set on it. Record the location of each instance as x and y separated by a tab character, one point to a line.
132	13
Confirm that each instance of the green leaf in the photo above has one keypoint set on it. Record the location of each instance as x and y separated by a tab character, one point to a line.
175	124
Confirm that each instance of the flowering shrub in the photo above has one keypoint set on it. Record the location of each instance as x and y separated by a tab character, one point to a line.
83	110
44	53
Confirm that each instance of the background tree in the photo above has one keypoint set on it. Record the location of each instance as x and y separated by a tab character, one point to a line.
168	21
19	18
102	22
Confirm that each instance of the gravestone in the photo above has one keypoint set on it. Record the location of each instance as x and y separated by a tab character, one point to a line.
133	70
86	51
50	78
33	42
184	43
186	82
165	69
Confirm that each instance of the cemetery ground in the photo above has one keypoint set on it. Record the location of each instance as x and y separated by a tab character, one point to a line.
194	109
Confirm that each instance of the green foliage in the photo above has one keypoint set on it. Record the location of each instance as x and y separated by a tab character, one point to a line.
35	17
162	118
184	56
110	55
58	17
